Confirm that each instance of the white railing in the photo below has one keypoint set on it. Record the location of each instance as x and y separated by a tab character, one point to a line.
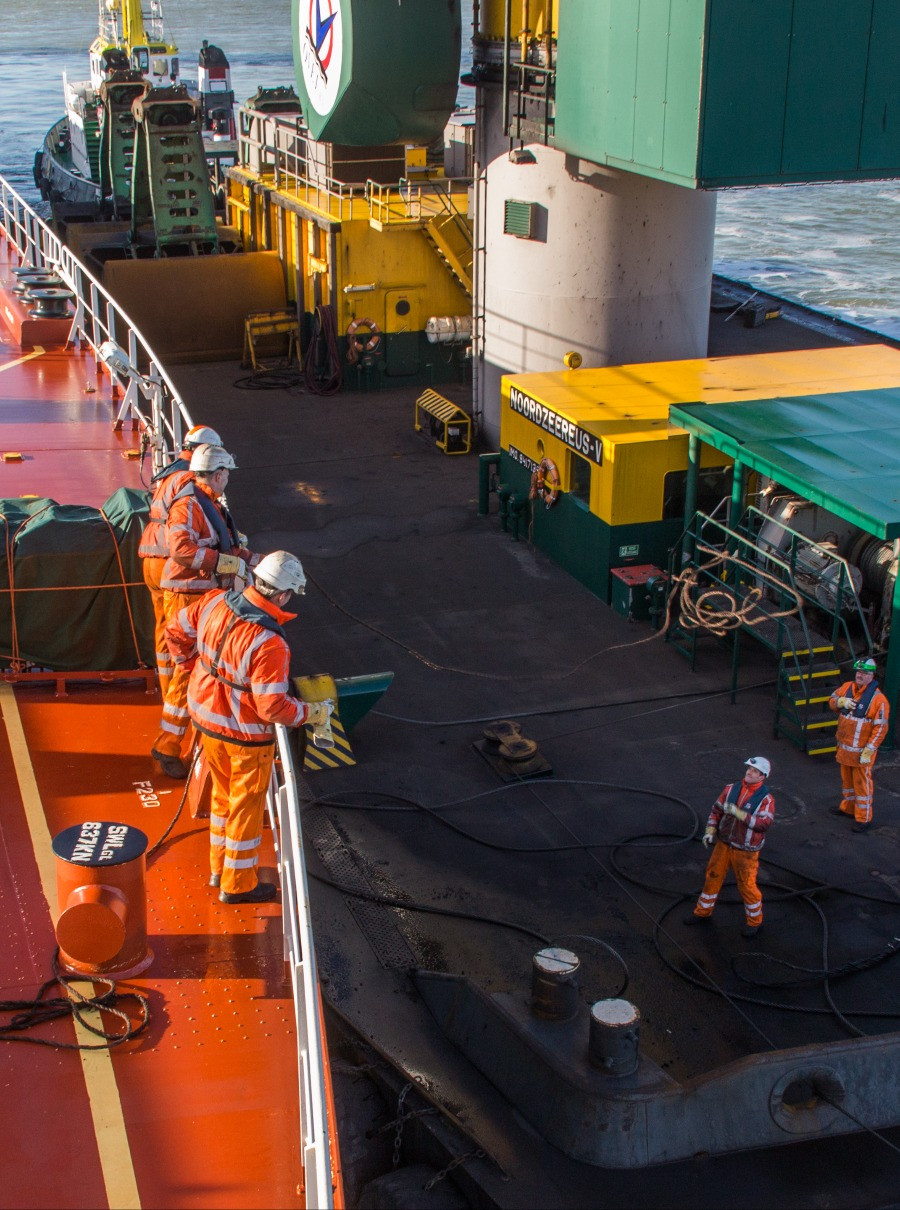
149	397
283	804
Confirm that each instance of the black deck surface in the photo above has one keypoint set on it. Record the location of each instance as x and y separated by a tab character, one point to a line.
404	575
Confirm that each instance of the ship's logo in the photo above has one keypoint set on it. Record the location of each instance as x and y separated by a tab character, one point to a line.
320	31
320	52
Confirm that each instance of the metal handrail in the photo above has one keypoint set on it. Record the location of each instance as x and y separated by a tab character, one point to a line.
845	589
283	803
150	396
278	148
424	200
98	318
774	563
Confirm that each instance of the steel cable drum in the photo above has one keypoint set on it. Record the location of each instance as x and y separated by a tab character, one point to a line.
373	72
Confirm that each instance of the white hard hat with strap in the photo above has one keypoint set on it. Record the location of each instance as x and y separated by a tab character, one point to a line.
281	570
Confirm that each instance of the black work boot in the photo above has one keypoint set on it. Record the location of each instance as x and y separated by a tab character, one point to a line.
263	892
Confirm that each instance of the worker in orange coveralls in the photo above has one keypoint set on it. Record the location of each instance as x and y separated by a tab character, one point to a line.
164	487
238	654
862	725
205	552
737	827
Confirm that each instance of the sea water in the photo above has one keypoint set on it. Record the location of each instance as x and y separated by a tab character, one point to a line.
831	246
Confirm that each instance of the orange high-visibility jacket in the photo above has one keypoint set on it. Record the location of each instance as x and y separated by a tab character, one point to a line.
192	543
164	487
239	682
750	834
855	733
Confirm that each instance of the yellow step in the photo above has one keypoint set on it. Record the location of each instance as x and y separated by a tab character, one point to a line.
821	751
828	722
806	651
808	676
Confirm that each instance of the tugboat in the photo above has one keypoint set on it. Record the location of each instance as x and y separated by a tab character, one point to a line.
82	152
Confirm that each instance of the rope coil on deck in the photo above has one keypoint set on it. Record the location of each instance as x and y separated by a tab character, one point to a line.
28	1014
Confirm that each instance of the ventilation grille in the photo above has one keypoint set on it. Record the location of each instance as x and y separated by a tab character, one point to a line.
518	219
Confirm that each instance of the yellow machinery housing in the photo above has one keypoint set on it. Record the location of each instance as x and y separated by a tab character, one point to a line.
622	467
394	253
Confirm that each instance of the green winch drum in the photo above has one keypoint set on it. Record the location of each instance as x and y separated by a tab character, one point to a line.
372	72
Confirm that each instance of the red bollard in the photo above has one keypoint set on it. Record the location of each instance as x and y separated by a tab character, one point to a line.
100	882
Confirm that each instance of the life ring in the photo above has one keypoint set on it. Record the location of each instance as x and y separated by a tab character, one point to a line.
357	345
545	482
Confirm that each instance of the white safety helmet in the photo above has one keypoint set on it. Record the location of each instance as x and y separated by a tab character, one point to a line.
200	434
209	458
282	571
759	762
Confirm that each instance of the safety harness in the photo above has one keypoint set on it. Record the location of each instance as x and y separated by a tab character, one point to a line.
728	823
242	611
863	701
180	464
217	515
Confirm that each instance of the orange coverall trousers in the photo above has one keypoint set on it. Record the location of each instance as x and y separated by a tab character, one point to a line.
856	791
745	865
152	568
176	735
239	776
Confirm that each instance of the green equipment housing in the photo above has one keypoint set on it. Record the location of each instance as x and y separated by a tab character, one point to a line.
709	93
373	72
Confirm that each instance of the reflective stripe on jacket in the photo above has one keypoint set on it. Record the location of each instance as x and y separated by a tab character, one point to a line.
192	543
750	834
164	487
855	733
239	684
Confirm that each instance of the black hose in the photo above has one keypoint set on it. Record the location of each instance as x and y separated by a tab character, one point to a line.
322	369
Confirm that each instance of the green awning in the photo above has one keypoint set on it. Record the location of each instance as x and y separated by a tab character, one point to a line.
840	451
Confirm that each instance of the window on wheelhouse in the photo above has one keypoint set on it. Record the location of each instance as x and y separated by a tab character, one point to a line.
580	478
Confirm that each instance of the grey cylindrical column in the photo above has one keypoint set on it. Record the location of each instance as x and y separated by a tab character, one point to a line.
554	984
614	1035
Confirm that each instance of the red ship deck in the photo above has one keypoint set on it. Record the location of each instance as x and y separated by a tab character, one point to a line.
201	1109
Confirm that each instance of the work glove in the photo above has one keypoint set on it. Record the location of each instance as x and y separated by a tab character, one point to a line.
867	755
709	837
844	703
731	809
319	713
242	539
231	565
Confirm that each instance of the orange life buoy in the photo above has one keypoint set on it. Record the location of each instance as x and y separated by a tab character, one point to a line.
545	482
367	343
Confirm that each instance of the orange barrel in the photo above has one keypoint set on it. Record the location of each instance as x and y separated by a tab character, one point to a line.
101	885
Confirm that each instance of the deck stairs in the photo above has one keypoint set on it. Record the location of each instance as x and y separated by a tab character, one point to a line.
450	235
432	211
776	603
807	677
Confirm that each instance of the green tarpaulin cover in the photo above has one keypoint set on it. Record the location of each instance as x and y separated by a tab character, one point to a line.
77	601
